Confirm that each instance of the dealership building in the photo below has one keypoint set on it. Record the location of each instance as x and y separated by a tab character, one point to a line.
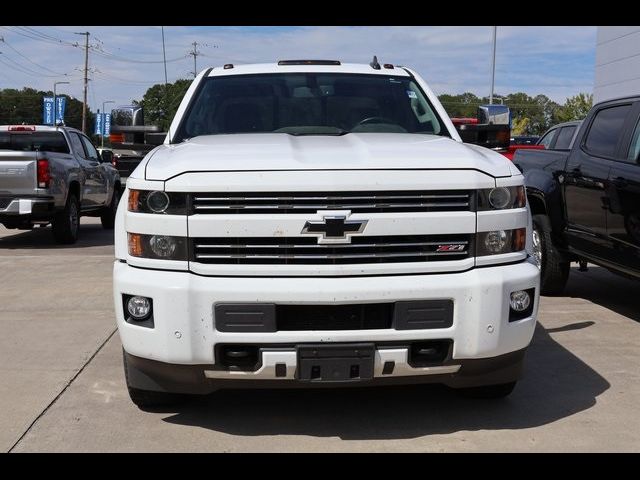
617	67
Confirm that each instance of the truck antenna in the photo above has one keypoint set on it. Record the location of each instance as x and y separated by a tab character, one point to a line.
374	63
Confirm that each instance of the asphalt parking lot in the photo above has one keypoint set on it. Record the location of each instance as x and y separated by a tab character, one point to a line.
62	385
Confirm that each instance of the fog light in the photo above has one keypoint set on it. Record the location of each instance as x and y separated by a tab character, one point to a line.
520	300
495	242
499	197
139	307
158	202
162	245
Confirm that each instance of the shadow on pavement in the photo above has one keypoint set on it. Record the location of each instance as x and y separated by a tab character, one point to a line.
556	384
91	235
614	292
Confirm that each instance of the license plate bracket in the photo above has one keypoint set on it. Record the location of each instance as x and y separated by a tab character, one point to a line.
326	363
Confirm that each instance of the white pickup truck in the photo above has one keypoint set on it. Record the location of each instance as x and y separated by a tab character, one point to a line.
314	223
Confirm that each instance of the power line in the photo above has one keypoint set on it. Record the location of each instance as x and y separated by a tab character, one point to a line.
99	50
29	60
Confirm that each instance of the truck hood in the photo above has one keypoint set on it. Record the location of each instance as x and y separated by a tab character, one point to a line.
354	151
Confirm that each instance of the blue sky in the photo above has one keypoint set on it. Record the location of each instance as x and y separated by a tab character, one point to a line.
125	61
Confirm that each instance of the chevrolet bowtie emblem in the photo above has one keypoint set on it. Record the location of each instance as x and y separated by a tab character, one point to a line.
334	228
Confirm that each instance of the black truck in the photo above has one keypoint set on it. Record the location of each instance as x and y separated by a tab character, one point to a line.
585	200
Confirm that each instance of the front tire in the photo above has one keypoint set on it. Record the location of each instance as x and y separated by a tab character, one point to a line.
488	391
147	398
554	270
108	215
66	224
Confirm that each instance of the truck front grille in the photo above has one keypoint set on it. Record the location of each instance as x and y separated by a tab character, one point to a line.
306	251
311	202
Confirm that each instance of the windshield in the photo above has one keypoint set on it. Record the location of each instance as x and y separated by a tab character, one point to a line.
29	142
309	104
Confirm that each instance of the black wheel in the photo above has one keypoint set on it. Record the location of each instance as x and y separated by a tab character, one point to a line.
488	391
148	398
554	270
66	224
108	215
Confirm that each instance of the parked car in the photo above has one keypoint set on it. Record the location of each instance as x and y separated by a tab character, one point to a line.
561	136
317	223
584	192
54	175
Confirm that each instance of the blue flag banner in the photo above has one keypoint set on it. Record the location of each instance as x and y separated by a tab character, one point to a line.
61	102
107	124
47	110
99	125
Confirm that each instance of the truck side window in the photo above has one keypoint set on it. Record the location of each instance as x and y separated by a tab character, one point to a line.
606	129
634	148
548	138
92	153
76	144
564	138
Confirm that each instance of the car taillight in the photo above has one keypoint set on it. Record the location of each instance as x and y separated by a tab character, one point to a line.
22	128
44	174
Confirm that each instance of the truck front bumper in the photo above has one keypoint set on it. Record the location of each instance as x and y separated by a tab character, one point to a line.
178	352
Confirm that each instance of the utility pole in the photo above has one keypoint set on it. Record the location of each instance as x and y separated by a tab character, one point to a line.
493	67
194	54
86	80
164	56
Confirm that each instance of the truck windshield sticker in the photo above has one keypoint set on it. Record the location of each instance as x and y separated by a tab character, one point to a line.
411	94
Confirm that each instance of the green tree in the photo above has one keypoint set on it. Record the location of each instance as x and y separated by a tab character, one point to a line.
576	107
25	106
160	103
520	126
541	111
462	105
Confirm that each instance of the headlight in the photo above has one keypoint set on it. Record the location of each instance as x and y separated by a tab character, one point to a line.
156	201
501	197
162	247
497	242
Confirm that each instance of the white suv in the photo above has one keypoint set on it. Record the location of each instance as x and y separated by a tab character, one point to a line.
312	222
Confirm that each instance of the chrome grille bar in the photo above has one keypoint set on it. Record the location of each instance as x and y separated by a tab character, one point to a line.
303	202
306	250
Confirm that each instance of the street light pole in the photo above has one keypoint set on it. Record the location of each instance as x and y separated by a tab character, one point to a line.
493	66
103	120
55	103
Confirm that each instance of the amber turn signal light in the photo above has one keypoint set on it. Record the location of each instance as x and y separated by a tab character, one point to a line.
519	239
135	244
134	197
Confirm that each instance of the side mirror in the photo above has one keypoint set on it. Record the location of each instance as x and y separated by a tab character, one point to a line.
106	156
155	138
494	115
